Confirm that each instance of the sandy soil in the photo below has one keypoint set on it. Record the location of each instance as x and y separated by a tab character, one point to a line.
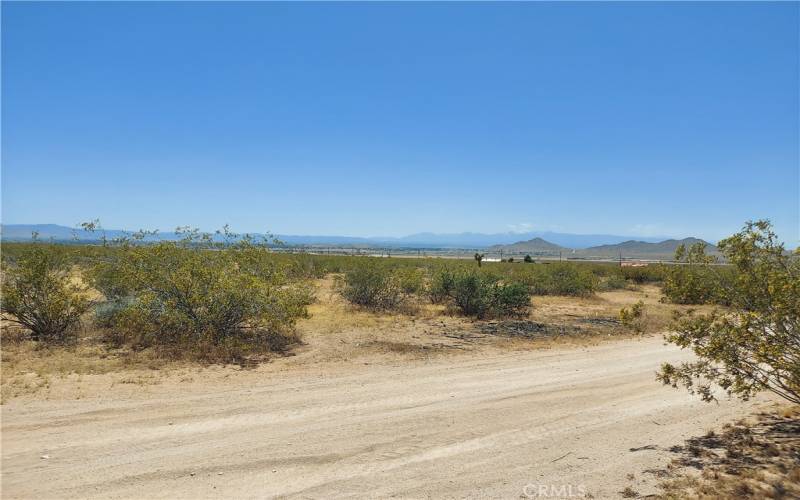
564	421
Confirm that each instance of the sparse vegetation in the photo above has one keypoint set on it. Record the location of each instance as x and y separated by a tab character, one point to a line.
226	297
201	299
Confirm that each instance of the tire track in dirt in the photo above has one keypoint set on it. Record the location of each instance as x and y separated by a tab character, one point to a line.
461	427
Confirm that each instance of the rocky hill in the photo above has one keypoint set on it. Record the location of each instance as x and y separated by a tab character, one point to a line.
535	246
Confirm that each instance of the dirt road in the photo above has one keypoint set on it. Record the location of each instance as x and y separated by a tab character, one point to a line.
557	422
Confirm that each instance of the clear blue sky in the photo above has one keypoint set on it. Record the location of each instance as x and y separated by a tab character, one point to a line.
386	119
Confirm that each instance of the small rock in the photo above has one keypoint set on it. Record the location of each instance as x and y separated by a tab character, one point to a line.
45	457
219	473
274	470
191	473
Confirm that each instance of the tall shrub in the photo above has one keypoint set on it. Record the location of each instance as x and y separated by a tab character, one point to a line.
753	345
372	287
481	295
39	294
191	295
694	280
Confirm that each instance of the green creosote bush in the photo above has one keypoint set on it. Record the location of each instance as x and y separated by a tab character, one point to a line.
375	288
480	294
192	298
441	285
39	294
695	279
752	345
410	279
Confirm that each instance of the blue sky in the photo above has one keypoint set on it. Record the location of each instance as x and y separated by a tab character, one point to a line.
361	119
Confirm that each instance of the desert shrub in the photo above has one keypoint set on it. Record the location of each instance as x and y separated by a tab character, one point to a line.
690	285
753	345
105	278
695	280
441	285
373	288
39	294
483	295
612	282
470	294
528	259
633	318
299	266
560	279
411	280
509	299
646	274
214	303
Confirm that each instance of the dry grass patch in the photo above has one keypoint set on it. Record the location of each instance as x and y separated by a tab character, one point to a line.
30	368
598	315
339	331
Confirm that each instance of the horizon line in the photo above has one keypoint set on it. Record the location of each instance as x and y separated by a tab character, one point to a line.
632	237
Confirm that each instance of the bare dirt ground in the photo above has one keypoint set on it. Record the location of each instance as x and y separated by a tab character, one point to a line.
466	426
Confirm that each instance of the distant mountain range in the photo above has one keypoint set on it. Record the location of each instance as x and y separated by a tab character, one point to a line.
22	232
661	250
568	245
483	240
